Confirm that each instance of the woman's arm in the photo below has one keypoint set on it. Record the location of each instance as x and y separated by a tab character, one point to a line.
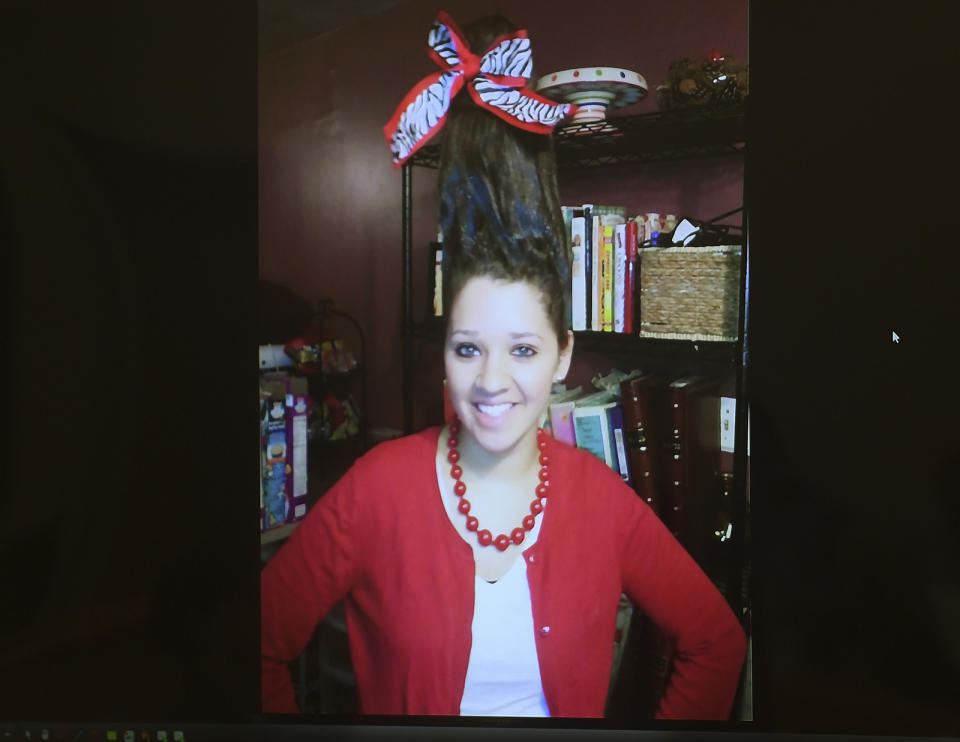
309	575
670	588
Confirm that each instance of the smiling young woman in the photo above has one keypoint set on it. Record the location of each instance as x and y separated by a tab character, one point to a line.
501	359
481	563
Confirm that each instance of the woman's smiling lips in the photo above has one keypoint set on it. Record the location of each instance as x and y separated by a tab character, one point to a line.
492	415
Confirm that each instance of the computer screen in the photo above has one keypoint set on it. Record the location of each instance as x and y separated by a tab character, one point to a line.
144	219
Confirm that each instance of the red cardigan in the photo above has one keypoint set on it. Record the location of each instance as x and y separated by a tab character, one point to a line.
381	541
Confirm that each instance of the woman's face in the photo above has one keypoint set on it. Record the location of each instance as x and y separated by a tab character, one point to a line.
501	359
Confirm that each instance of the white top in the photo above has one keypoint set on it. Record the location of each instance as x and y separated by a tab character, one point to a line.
503	675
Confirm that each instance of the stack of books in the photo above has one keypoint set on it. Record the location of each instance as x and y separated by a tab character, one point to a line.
662	436
604	269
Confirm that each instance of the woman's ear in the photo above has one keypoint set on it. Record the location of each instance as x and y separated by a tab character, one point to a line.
566	356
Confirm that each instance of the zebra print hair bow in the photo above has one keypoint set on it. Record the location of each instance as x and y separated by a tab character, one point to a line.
496	81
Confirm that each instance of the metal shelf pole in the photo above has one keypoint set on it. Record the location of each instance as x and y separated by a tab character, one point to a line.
407	309
741	461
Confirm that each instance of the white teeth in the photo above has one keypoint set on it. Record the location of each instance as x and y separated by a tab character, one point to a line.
494	410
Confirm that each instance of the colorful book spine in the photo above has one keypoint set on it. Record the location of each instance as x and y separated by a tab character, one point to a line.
559	410
619	276
578	274
596	287
606	277
630	277
561	419
588	265
591	419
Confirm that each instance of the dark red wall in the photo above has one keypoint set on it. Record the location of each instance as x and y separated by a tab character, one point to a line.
330	217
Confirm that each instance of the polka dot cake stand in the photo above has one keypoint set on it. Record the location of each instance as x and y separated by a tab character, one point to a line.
594	89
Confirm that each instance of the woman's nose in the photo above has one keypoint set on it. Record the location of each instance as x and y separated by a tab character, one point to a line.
494	376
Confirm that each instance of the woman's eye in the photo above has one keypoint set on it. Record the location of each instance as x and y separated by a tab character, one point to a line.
466	350
524	351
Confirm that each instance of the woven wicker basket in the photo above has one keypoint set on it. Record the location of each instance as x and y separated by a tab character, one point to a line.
690	293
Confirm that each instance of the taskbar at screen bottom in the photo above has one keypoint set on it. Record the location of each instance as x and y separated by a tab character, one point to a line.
462	730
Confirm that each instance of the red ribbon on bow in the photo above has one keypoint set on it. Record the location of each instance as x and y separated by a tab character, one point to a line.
496	81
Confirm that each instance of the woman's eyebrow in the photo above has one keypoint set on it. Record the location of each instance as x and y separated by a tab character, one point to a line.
513	335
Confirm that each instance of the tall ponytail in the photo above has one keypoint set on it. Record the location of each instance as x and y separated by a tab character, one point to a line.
500	213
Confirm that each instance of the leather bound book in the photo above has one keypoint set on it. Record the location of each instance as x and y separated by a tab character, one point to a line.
637	401
693	454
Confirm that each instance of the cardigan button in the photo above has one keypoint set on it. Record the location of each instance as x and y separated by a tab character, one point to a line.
544	631
531	559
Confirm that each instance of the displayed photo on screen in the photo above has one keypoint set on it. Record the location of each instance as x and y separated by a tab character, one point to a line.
503	257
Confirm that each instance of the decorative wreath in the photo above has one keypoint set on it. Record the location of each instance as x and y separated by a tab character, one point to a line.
716	80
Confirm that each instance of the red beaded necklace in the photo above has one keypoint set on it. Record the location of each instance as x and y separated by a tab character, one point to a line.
536	507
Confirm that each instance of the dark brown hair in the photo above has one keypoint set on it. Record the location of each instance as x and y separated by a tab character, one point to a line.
500	213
